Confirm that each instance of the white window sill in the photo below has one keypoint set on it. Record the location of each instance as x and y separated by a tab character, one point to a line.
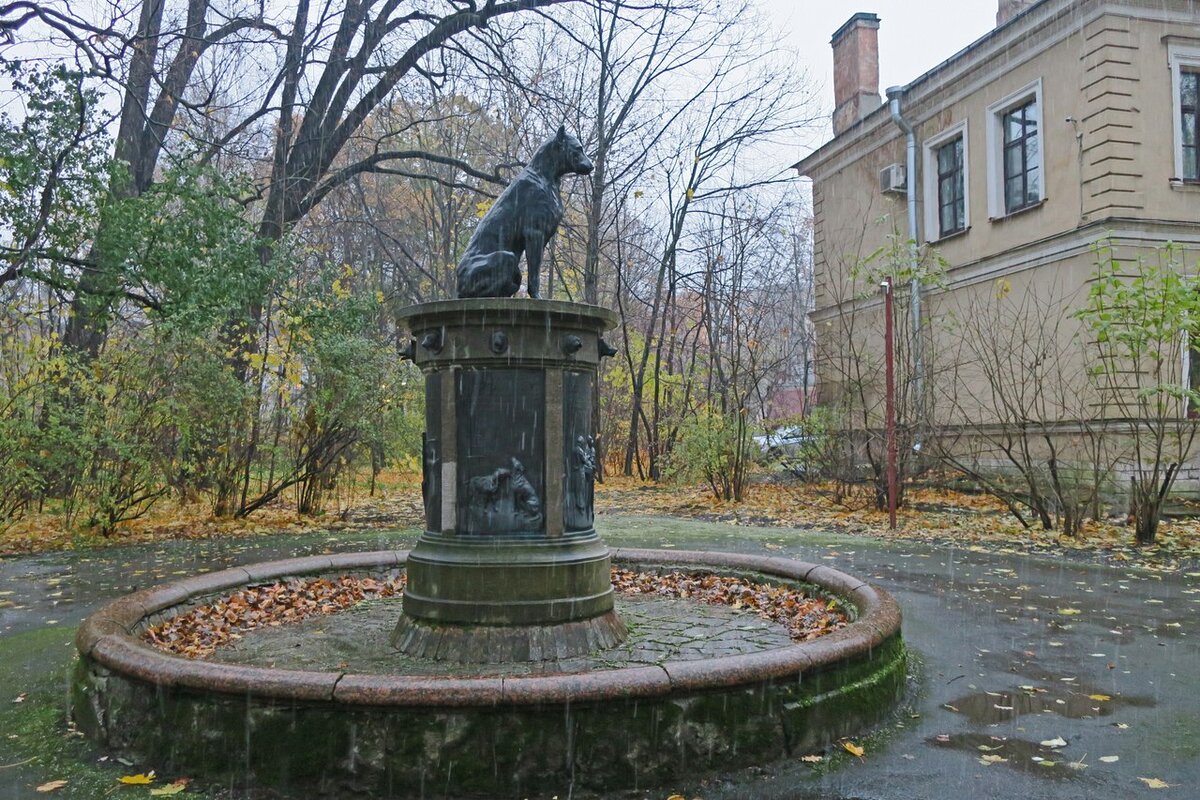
949	236
1184	186
1019	211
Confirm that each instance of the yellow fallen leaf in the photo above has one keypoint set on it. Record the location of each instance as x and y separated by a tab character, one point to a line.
141	779
853	749
676	797
1069	612
1155	783
179	786
991	758
1100	697
50	786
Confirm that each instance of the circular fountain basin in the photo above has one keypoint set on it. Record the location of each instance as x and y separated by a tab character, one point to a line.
600	723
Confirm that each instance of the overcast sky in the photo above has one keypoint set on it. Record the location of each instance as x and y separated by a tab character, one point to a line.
913	36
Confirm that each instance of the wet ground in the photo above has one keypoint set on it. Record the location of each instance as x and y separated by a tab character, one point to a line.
1011	651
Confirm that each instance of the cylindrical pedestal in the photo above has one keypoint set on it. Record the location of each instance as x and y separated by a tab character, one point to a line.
510	566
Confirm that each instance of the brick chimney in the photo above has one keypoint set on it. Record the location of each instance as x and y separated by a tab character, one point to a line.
1010	8
855	70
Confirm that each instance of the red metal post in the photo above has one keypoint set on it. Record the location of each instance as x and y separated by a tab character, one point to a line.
889	357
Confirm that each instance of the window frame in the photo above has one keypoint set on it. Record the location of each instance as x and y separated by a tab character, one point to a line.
1190	359
995	156
1181	58
932	198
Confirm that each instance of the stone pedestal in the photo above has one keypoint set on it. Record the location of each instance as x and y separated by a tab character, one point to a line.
510	566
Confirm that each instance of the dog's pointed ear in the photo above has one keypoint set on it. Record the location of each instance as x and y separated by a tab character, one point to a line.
562	133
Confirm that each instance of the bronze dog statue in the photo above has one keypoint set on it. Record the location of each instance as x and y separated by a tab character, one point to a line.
522	220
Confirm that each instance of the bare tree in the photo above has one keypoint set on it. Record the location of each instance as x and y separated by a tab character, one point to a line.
850	351
336	66
1016	416
743	285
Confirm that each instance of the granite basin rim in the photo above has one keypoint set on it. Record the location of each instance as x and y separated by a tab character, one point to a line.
102	640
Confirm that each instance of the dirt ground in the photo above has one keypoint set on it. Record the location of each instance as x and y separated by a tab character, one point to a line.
932	515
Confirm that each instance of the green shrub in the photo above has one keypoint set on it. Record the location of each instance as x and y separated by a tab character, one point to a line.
716	448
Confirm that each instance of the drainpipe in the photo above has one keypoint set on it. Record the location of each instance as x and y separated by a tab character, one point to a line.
910	182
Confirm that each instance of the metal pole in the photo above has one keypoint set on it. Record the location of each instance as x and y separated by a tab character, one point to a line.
889	357
894	94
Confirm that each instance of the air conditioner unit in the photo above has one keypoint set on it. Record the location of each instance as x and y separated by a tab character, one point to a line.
891	179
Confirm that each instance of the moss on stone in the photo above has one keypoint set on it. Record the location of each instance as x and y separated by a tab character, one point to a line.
37	663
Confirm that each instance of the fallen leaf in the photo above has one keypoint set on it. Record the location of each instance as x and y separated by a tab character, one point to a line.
813	759
853	749
141	779
990	759
1100	697
1057	741
1155	783
176	788
1069	612
1109	759
50	786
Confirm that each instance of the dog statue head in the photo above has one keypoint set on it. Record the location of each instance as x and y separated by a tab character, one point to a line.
567	154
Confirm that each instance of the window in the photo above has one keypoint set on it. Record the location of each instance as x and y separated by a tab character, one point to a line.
1189	124
950	187
1022	183
1015	164
1191	373
946	183
1185	93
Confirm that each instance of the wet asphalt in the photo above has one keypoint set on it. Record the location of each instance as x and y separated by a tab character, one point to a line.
1010	651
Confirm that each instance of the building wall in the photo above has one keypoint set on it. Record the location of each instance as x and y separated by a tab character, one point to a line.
1108	160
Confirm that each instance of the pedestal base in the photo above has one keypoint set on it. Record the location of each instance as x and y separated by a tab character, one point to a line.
480	599
489	644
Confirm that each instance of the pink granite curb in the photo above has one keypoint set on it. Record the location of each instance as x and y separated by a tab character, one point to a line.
106	638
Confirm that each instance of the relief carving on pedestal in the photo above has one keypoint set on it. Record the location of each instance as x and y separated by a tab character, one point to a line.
503	501
581	483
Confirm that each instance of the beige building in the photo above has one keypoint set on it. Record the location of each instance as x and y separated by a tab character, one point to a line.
1073	121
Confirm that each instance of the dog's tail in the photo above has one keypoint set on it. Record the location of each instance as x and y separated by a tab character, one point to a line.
489	275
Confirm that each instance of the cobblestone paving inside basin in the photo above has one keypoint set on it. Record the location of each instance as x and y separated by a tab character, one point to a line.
660	629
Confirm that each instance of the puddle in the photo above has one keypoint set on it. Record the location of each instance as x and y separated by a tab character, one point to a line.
990	708
1170	630
1018	754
